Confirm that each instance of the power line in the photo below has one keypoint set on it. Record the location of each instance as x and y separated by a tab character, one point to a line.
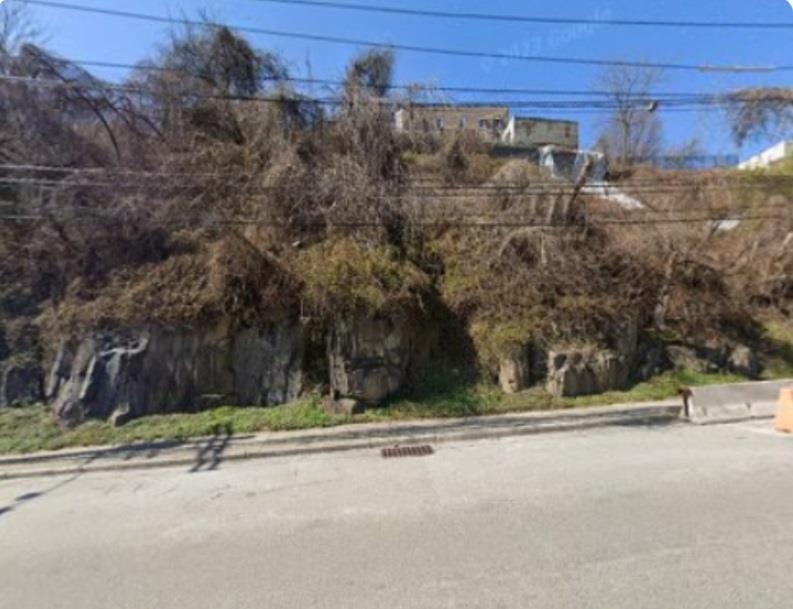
138	170
113	171
554	188
392	10
418	87
134	88
137	88
478	193
717	212
413	48
560	106
415	189
440	223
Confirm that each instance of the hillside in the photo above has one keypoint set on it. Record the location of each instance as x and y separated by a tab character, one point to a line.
194	250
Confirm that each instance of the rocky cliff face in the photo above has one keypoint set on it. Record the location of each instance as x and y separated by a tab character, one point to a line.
20	369
584	372
587	371
570	371
369	358
122	376
155	370
20	383
514	372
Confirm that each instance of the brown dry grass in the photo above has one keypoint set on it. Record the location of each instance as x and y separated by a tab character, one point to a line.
226	278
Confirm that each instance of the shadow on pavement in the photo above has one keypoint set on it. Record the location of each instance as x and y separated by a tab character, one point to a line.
210	455
126	452
33	495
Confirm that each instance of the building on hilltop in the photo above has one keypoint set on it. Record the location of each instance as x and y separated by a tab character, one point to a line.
488	122
493	124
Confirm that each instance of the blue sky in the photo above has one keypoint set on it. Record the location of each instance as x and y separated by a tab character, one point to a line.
84	36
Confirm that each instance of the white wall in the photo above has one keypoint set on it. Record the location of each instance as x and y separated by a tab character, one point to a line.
773	155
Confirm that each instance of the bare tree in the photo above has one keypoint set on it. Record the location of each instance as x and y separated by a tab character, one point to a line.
196	78
760	112
633	130
371	72
16	29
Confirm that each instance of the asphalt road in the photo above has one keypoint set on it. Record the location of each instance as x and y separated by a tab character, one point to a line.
664	517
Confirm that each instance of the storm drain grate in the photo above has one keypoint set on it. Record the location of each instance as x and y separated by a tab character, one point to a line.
407	451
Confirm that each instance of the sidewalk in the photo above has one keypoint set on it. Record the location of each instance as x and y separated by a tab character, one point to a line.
209	453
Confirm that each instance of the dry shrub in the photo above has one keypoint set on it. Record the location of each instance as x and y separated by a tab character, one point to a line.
551	278
223	279
466	159
574	268
711	274
346	277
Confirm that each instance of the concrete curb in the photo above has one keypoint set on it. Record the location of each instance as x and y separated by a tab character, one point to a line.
334	440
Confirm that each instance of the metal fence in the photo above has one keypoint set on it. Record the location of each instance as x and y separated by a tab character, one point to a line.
699	161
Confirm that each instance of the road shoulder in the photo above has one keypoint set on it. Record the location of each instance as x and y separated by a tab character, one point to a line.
208	453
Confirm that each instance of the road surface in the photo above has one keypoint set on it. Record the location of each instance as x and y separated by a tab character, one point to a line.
652	517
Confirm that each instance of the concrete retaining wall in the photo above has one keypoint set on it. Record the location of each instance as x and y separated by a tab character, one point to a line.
735	402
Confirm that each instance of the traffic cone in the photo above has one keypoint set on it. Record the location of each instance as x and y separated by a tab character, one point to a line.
784	411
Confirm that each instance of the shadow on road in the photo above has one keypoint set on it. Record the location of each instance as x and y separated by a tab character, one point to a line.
210	454
126	452
33	495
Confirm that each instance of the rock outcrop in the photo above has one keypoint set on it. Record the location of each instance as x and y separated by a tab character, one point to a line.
5	349
625	338
715	358
743	360
20	383
686	358
571	372
121	376
514	372
154	370
20	370
651	360
369	358
585	372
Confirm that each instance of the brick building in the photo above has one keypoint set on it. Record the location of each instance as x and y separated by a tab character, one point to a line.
493	124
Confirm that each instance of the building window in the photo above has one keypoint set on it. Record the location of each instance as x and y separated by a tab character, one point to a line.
439	123
462	122
482	123
497	123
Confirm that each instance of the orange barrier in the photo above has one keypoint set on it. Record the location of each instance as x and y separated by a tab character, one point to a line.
784	412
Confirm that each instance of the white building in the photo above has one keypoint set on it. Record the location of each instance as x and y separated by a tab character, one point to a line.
563	163
767	158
